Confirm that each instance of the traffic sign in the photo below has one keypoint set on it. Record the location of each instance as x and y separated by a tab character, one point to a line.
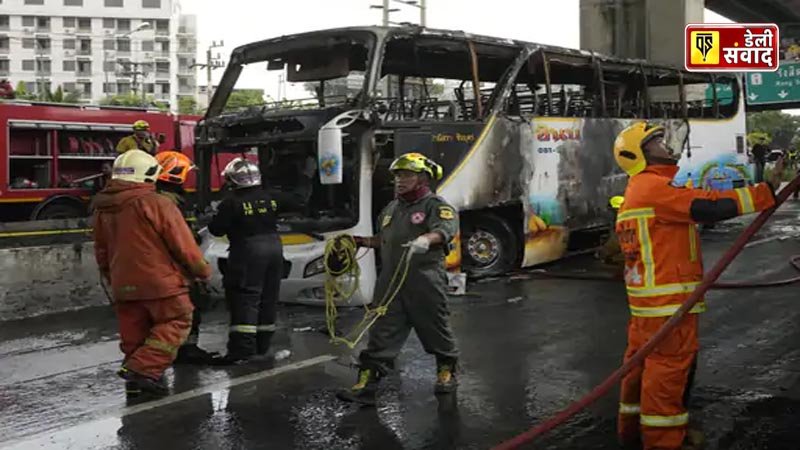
781	86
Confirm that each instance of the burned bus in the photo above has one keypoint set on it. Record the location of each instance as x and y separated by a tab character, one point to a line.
524	133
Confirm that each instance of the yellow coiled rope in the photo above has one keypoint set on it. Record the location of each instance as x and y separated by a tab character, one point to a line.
342	281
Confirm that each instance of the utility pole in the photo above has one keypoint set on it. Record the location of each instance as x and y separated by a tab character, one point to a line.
211	64
386	13
135	74
423	12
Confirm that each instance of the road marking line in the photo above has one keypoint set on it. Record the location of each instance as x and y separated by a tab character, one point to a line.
227	384
119	412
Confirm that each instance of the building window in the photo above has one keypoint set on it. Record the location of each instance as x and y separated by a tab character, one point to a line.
109	66
28	21
85	23
4	22
73	2
147	46
69	87
27	42
87	89
109	44
84	68
28	65
4	44
123	88
114	4
123	45
44	66
5	66
69	44
109	88
151	3
123	24
30	86
69	66
109	23
42	23
162	26
34	2
69	22
86	47
43	45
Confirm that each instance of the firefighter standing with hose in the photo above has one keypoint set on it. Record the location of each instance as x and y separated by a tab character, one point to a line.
424	224
175	168
252	277
147	254
657	234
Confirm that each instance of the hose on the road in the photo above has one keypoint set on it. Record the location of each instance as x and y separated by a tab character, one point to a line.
638	357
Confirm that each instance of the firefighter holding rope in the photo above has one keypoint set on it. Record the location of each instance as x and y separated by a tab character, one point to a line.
422	223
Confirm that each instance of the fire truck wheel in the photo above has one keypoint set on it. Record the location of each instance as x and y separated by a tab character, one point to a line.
489	245
61	210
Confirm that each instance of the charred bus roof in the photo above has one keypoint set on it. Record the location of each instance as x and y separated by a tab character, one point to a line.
426	52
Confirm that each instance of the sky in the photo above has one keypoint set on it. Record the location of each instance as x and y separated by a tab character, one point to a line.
238	22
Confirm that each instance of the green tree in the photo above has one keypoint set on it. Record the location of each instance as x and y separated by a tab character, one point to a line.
22	92
58	95
780	127
72	97
187	105
242	98
758	137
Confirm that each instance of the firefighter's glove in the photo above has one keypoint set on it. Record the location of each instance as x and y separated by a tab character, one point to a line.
419	245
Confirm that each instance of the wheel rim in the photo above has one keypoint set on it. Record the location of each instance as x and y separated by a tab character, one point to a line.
483	248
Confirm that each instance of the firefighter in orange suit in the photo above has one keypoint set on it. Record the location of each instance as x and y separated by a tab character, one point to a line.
657	232
147	254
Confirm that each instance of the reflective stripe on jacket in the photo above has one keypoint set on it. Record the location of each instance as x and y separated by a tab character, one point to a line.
657	231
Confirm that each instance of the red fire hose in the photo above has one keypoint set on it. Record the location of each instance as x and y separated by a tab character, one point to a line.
639	356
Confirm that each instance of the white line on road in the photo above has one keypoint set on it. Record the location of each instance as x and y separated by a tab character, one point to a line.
222	385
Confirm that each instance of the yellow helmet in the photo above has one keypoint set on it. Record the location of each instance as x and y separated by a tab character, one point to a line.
136	166
616	201
628	148
417	162
141	125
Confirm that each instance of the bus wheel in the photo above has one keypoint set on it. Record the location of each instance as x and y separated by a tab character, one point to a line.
489	246
61	210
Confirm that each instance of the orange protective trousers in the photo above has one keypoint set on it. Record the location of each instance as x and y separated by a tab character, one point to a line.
151	332
652	397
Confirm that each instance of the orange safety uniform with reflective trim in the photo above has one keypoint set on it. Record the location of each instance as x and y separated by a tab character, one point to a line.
657	231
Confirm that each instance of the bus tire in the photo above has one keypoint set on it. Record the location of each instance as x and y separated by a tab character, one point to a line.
62	209
489	245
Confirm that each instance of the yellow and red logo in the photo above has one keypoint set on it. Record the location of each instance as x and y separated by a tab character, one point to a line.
738	47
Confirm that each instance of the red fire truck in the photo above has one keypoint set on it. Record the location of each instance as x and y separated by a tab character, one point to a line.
49	152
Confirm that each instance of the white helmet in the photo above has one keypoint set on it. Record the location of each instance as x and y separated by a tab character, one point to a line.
242	173
136	166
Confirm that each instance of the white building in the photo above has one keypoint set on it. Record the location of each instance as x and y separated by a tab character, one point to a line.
99	47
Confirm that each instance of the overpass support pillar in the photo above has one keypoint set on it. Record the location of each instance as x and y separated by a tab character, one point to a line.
647	29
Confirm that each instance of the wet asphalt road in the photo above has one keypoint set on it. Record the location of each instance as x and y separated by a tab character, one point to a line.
529	347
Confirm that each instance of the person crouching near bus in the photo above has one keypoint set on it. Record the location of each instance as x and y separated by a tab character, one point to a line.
141	139
175	168
425	225
663	265
147	254
252	277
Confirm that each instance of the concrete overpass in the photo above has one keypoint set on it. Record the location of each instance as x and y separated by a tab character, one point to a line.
653	29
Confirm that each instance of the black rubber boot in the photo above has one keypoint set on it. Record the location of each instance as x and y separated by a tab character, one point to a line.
132	389
364	390
146	384
192	354
446	381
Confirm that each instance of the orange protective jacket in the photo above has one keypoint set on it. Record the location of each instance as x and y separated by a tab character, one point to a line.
142	243
657	232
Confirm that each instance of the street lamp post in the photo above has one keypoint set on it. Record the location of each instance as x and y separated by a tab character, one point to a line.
134	85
